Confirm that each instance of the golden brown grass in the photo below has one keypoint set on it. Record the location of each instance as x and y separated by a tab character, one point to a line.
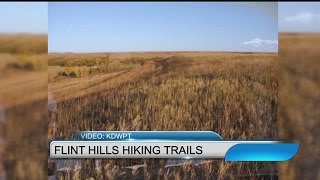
84	65
23	97
234	94
299	98
23	43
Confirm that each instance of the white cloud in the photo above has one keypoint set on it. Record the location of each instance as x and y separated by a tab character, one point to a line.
260	42
304	17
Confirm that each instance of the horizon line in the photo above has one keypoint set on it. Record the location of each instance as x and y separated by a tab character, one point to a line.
23	33
173	51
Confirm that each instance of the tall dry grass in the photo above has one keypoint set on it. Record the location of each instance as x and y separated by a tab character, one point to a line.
299	93
23	104
234	94
24	43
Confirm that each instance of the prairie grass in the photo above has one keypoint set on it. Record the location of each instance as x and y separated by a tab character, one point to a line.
36	62
87	65
299	100
23	43
234	94
23	106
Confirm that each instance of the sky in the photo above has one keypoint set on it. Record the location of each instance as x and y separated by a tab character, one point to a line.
299	16
23	17
96	27
162	26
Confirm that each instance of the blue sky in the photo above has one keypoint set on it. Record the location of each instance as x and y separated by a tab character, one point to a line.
98	27
92	27
16	17
299	16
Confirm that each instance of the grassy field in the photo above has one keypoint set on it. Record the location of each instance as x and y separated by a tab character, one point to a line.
299	100
23	106
23	43
234	94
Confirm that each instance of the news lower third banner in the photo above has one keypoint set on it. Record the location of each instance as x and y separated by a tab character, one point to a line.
169	144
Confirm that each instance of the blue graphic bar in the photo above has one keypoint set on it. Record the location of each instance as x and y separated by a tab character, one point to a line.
147	136
262	152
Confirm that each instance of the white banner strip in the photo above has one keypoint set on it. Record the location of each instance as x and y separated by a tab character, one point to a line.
142	149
